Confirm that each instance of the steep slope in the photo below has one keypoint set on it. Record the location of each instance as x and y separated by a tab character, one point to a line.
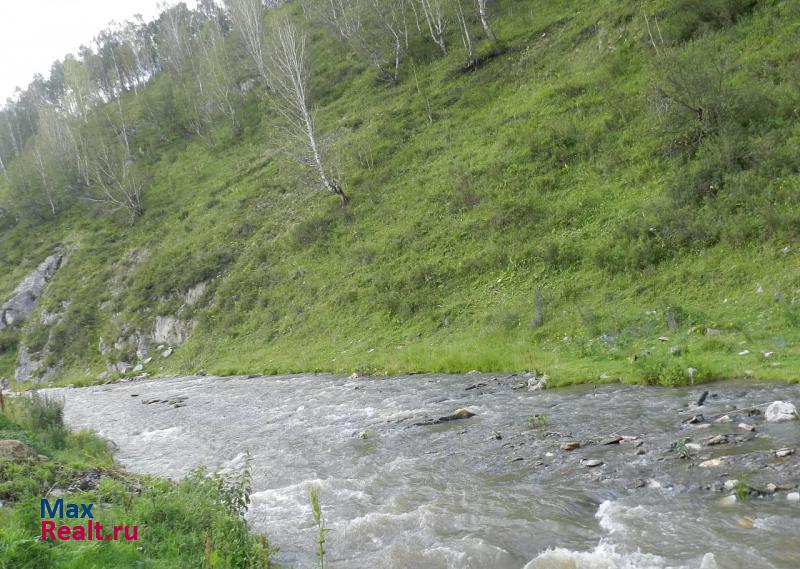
553	209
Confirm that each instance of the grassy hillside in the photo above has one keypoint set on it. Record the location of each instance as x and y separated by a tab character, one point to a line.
554	209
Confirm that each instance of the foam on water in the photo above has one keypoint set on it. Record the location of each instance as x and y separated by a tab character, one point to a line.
607	556
616	518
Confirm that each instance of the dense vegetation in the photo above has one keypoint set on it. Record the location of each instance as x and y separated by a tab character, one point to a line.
601	175
197	522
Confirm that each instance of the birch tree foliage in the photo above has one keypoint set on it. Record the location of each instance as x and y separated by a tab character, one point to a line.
247	22
114	179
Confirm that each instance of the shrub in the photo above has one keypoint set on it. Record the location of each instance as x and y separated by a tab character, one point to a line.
45	413
694	18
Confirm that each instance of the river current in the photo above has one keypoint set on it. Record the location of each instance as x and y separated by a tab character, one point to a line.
495	490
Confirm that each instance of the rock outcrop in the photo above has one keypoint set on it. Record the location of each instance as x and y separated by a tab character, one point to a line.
171	331
28	292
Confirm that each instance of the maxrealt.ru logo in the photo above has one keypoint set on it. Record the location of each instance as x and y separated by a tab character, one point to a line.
89	531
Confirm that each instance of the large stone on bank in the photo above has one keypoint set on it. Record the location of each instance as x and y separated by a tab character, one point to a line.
26	295
779	411
11	449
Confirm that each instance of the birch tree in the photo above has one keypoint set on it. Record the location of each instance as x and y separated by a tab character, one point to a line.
435	20
483	14
390	37
114	181
466	36
247	17
290	73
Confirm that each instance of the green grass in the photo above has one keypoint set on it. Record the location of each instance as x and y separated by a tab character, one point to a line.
194	523
544	173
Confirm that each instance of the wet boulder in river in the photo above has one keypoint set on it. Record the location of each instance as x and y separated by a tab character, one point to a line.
779	411
458	414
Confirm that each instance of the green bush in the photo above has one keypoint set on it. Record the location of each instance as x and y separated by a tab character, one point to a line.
44	414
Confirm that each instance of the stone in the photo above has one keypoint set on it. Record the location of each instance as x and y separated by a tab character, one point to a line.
675	350
793	496
25	297
724	419
462	414
538	383
663	339
779	411
770	488
711	463
570	446
11	449
694	419
727	501
730	484
694	447
171	331
745	522
744	352
591	463
195	293
167	353
137	368
611	441
713	332
89	481
784	452
28	365
455	416
747	427
120	367
717	440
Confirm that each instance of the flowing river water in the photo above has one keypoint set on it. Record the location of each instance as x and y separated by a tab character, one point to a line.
492	491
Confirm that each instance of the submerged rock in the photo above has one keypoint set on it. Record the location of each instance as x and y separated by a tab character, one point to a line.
591	463
779	411
458	414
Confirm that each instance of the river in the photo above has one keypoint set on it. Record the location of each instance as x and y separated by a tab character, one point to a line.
495	490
